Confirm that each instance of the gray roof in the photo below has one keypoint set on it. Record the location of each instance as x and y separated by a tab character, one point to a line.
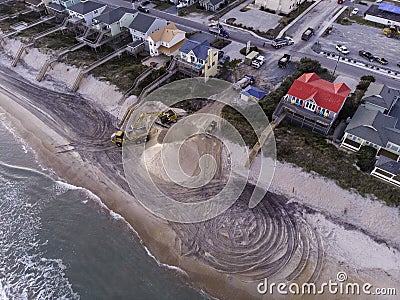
373	126
200	50
387	164
56	7
395	112
374	10
380	95
34	2
142	22
135	43
86	7
215	2
114	15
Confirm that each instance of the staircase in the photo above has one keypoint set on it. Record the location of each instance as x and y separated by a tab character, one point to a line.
19	54
77	81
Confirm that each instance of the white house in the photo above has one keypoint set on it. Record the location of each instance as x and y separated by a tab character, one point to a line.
143	25
279	6
86	11
166	40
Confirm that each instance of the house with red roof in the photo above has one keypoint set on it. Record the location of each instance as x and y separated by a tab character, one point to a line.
313	102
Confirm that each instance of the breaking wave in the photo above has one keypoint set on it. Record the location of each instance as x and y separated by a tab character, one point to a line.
25	271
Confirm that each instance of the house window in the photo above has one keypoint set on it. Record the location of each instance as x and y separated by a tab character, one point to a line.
213	63
215	54
201	61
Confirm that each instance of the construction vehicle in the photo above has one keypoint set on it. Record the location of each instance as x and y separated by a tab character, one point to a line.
167	117
138	133
244	82
211	129
392	31
285	59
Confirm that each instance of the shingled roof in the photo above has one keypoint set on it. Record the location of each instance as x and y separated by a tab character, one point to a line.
380	95
86	7
142	22
389	165
325	94
166	33
200	50
114	15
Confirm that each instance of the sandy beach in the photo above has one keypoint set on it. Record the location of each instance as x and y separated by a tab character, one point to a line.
359	235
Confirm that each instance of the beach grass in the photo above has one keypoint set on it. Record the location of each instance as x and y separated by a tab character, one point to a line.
120	71
57	40
86	55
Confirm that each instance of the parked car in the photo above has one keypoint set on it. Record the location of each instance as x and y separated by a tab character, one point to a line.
366	55
378	1
342	49
182	5
307	34
398	64
145	2
381	60
285	59
143	9
258	62
281	42
224	59
354	11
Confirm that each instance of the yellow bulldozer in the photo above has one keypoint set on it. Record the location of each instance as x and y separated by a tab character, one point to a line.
392	31
138	133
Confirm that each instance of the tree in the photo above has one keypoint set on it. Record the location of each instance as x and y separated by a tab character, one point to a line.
366	158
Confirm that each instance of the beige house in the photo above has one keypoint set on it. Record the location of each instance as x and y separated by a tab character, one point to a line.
166	40
279	6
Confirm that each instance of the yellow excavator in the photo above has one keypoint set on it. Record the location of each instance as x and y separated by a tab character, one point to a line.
137	133
392	31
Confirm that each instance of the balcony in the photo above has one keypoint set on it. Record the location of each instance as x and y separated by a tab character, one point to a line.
190	69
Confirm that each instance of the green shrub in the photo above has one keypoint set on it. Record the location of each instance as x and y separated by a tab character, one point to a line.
369	78
366	157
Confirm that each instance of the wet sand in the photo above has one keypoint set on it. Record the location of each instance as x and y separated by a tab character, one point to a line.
155	233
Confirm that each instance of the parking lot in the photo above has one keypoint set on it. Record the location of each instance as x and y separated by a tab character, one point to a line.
361	37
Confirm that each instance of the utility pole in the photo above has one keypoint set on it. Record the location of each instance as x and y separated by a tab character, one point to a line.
337	62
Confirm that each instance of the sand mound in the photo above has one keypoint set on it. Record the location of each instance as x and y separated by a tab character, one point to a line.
189	156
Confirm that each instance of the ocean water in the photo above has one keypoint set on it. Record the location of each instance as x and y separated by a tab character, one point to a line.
58	242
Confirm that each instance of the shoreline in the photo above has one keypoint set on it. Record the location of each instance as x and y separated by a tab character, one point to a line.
161	240
157	236
43	140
